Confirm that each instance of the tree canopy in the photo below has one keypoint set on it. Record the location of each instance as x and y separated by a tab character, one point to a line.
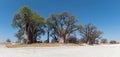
62	25
31	26
29	23
90	33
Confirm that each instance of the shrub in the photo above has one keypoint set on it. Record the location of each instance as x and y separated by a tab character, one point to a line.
72	40
103	41
113	42
8	40
55	40
40	41
82	40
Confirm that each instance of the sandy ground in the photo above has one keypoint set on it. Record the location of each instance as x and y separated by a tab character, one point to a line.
76	51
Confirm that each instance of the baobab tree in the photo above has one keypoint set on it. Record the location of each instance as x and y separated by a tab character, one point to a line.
90	33
62	25
30	23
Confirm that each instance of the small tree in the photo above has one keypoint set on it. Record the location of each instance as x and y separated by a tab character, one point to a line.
8	40
113	42
103	41
72	39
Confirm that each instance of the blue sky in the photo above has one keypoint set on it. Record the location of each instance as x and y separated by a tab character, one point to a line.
104	14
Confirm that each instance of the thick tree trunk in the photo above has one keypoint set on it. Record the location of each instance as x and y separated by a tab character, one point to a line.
66	38
26	36
88	41
30	37
61	40
34	39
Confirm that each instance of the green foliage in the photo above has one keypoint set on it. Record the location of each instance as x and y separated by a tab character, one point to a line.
37	19
29	23
25	15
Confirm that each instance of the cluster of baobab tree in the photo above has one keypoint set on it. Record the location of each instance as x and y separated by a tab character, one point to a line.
31	26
